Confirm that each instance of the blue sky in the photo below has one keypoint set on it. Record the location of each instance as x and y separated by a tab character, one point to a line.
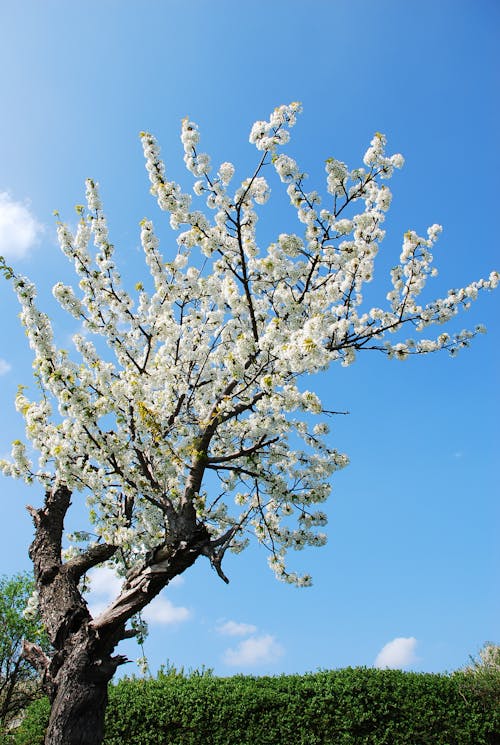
412	560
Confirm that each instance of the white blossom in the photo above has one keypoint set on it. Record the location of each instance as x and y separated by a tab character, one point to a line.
226	172
202	372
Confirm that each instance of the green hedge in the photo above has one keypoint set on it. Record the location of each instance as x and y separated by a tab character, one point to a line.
345	707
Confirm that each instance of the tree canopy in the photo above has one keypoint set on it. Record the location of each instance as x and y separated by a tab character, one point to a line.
182	419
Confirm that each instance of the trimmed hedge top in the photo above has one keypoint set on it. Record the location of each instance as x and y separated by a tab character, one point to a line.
354	706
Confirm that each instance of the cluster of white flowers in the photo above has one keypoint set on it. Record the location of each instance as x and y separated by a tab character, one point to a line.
168	193
197	163
337	176
270	134
203	377
31	609
226	172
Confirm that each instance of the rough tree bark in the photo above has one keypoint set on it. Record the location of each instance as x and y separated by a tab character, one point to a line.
77	674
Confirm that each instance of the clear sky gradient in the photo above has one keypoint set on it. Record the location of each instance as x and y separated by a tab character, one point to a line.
410	575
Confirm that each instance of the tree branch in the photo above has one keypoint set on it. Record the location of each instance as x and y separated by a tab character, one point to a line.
143	585
92	556
35	655
45	551
242	453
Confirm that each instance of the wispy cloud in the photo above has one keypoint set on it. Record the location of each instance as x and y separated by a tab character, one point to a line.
177	581
4	366
105	586
257	650
162	611
233	628
19	230
399	652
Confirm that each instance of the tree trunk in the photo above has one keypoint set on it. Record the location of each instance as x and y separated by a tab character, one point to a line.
77	674
79	693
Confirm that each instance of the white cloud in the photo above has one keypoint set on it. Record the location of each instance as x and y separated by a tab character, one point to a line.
177	581
104	587
19	230
400	652
105	582
257	650
233	628
4	366
162	611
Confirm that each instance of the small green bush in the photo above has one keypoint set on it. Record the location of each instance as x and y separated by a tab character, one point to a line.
355	706
32	729
19	682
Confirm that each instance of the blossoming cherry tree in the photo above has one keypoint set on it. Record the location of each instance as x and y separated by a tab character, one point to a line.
180	419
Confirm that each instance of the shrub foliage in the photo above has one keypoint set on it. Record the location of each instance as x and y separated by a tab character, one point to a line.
354	706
